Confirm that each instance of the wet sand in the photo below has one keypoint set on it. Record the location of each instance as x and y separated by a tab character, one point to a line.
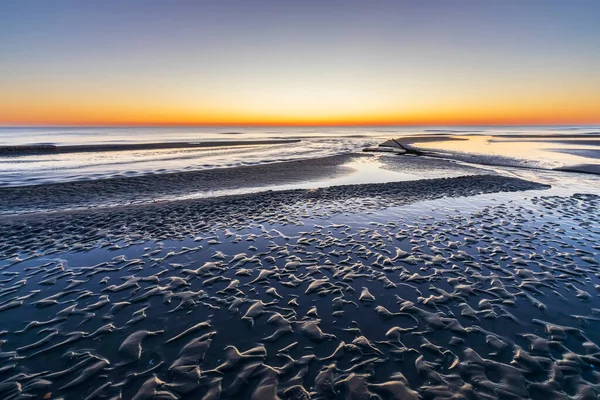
584	168
483	151
306	294
178	219
146	188
153	187
22	150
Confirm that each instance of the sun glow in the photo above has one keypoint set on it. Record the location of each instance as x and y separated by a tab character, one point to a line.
239	63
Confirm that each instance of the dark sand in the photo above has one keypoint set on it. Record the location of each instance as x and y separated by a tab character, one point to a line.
559	136
583	141
266	298
177	219
148	187
87	148
293	295
583	168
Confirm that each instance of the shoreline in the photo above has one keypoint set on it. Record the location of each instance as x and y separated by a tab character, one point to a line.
147	187
411	146
34	149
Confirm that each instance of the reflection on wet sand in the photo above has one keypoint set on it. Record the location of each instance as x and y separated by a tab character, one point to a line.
287	301
577	153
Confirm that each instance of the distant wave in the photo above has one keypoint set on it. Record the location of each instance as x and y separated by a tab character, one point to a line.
356	136
587	153
450	131
336	138
582	168
585	135
570	128
22	150
33	148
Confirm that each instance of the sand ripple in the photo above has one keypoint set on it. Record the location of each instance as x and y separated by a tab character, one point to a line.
268	297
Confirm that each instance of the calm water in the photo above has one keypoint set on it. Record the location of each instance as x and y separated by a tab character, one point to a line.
549	148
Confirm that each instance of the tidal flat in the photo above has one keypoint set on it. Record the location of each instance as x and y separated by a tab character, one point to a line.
390	291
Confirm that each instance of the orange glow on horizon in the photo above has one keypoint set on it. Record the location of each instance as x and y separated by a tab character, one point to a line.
362	109
432	119
244	63
293	109
439	99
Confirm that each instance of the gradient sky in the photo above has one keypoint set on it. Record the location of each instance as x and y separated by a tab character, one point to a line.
299	62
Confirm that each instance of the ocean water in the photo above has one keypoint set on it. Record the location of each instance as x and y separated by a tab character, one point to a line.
544	147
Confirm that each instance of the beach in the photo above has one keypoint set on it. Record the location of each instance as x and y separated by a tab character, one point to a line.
461	272
299	200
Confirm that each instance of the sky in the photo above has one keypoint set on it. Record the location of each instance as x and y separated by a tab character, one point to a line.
299	62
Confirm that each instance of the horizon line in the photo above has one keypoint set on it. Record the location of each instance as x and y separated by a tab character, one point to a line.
308	125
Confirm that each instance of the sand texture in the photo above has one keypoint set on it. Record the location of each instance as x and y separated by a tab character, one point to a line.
339	292
178	219
22	150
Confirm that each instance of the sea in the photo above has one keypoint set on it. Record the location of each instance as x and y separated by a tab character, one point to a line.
534	147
